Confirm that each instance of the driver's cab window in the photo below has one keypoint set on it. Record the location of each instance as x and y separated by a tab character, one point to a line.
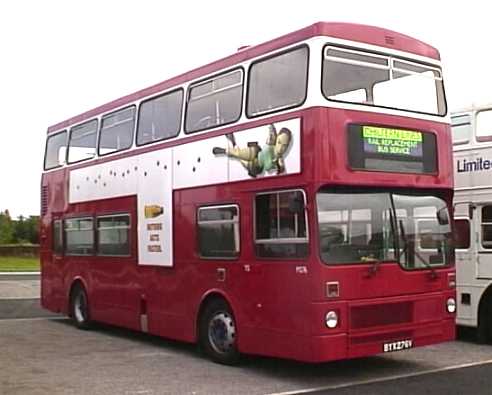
354	228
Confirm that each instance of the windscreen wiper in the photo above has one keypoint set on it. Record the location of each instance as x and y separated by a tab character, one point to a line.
405	249
375	264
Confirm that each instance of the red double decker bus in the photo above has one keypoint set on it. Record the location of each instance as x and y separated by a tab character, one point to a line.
289	200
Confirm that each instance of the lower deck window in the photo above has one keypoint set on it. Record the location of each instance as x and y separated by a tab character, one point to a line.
218	231
79	236
113	235
57	237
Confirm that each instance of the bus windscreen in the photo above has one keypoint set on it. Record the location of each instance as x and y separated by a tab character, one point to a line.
389	149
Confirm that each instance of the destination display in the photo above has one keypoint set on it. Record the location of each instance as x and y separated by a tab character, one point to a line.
383	148
392	141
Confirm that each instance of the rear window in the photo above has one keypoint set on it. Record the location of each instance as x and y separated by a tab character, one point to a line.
56	150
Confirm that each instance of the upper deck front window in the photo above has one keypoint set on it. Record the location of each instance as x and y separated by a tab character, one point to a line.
382	81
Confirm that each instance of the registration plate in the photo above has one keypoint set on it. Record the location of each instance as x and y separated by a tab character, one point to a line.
398	345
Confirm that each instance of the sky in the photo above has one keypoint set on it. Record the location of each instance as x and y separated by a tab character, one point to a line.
61	58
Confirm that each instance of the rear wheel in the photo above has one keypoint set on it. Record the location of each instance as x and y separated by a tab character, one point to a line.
79	308
218	336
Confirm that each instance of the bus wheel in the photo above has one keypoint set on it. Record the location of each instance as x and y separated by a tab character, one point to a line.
218	333
79	308
484	330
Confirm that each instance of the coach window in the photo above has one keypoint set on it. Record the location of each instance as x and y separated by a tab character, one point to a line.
214	102
117	131
218	231
159	118
113	235
57	237
461	128
56	149
487	226
484	125
281	225
82	143
79	236
462	234
278	83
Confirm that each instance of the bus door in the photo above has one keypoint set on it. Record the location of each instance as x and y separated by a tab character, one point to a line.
484	227
281	248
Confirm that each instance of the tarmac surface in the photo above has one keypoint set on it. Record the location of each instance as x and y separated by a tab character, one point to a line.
19	296
42	353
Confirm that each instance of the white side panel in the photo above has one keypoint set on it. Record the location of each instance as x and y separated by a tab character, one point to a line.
155	208
195	164
104	181
153	176
462	178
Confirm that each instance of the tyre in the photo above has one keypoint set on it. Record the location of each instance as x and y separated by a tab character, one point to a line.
218	336
484	330
79	308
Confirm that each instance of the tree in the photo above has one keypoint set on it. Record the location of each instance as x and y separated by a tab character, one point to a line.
25	230
6	228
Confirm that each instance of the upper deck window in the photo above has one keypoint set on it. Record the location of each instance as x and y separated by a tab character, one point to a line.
278	82
461	128
484	125
214	102
56	150
117	131
160	118
82	144
353	76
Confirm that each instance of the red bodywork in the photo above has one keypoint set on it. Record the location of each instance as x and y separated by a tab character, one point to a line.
280	310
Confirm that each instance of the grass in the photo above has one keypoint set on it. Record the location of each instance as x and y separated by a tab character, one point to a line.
18	264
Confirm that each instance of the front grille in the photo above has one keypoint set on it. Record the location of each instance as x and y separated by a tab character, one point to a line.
380	314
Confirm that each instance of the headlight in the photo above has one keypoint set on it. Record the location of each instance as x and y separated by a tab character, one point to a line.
331	319
451	305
